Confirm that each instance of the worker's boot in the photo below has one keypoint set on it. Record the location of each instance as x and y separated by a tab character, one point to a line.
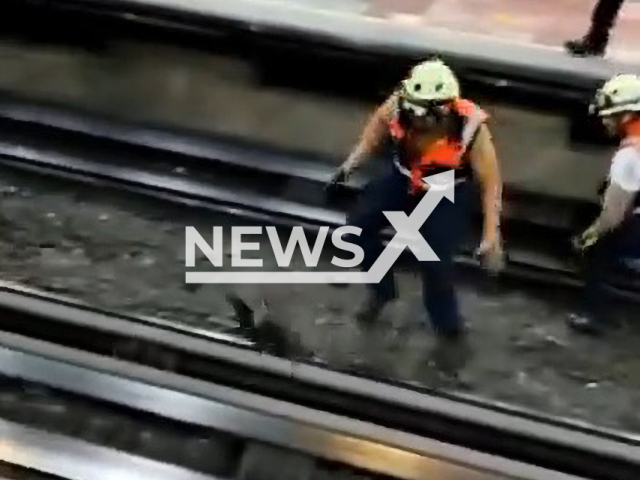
370	310
451	353
587	47
603	19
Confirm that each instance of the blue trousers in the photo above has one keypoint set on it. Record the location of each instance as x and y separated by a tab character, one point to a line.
602	260
443	231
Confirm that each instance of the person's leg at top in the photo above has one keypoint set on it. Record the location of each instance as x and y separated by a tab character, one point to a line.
595	42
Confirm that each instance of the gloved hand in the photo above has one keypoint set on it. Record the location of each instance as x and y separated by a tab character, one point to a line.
587	239
338	179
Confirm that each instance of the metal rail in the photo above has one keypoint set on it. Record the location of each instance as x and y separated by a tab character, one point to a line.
246	203
76	460
44	304
205	149
320	434
389	406
50	159
210	149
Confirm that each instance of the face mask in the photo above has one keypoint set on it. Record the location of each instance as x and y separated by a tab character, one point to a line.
415	110
426	115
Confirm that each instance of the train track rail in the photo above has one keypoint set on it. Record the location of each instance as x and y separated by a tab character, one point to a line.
70	351
299	440
240	180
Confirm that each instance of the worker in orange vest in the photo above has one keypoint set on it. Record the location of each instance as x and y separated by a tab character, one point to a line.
432	130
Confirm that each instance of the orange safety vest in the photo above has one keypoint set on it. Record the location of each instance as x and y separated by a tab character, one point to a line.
444	153
632	132
631	138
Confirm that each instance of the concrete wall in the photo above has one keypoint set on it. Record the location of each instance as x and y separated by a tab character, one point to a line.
175	86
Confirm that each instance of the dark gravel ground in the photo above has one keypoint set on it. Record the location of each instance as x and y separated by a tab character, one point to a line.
125	252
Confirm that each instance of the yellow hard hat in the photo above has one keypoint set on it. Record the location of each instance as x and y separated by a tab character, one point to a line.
620	94
430	81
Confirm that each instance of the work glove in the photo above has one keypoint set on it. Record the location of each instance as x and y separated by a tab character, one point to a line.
338	180
586	240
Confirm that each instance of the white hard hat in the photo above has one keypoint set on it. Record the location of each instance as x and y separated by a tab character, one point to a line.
620	94
431	81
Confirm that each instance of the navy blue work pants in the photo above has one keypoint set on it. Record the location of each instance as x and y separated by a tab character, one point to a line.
602	259
443	231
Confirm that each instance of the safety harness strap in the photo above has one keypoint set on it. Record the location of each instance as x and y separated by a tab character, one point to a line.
472	124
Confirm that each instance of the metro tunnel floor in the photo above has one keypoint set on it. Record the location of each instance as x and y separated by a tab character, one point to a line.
124	252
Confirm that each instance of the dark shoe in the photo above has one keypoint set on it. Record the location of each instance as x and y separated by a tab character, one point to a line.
584	324
451	353
370	310
585	48
242	314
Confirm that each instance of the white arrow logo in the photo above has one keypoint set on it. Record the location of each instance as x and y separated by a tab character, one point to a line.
407	235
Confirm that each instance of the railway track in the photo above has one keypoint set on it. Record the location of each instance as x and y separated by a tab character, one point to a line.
76	382
248	183
141	397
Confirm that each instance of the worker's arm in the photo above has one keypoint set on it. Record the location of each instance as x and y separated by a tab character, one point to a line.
372	135
619	196
485	164
617	203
